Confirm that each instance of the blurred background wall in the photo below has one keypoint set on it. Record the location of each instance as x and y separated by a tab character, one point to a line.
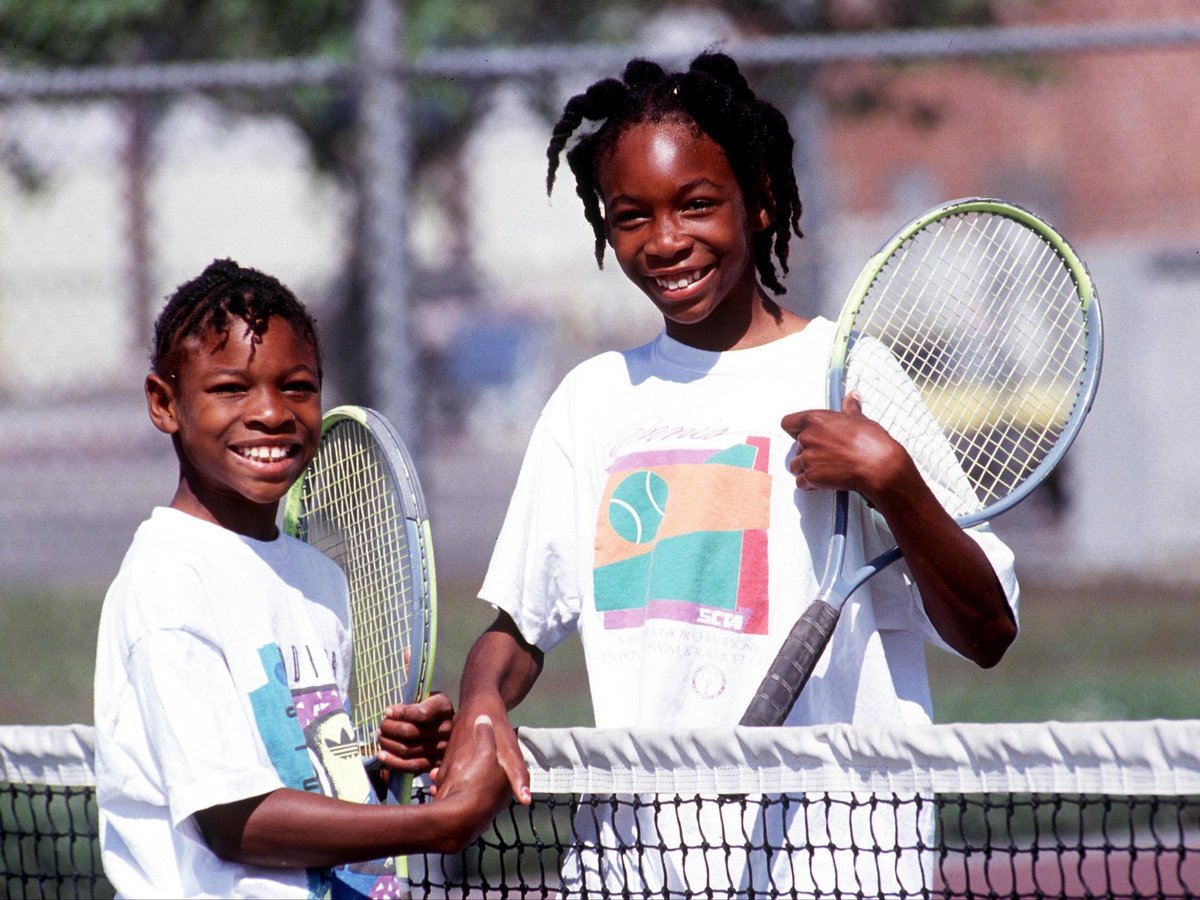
386	159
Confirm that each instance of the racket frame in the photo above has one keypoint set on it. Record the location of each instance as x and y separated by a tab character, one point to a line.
844	336
418	535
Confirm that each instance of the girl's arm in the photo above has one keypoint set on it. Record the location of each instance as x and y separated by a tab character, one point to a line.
963	597
500	670
296	829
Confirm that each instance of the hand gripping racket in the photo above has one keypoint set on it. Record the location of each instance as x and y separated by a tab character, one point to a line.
974	337
360	503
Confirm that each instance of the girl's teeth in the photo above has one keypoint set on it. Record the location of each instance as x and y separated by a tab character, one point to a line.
266	453
682	281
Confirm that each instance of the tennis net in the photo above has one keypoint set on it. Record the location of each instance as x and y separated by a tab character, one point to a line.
1107	809
49	841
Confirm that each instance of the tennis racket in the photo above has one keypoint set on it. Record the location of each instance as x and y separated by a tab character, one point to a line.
974	337
360	503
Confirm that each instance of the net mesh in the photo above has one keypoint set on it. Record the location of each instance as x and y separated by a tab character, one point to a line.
987	322
1068	810
351	510
49	840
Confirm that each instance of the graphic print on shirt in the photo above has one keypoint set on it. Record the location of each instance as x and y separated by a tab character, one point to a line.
311	743
682	535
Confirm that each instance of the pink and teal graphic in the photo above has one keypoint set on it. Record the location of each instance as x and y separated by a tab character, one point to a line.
682	535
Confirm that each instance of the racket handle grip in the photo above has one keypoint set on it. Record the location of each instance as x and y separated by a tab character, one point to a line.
792	666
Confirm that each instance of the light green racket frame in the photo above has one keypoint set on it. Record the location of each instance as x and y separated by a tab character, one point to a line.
361	504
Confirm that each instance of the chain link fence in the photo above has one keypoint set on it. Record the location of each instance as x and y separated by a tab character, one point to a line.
402	197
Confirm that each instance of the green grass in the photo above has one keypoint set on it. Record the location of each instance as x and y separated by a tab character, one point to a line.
558	700
1110	652
1113	651
48	653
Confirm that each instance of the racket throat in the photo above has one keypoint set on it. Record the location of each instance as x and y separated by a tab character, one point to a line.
833	589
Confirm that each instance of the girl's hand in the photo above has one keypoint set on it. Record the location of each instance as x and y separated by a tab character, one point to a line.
505	751
476	788
413	736
845	451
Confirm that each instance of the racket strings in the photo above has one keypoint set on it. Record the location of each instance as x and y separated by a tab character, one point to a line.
354	515
971	348
1050	340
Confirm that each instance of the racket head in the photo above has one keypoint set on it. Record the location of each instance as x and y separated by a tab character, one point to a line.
974	336
361	504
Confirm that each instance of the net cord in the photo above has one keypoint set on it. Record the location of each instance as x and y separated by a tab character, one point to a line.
48	754
1150	757
1160	757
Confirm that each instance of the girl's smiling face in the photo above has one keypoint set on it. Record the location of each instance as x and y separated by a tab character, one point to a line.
246	417
680	229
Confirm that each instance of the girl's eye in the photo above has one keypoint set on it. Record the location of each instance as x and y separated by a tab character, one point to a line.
700	204
301	388
227	387
628	218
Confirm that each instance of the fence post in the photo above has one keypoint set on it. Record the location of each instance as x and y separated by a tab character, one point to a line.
384	150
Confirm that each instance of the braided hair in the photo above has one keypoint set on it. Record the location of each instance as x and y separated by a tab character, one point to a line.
225	291
713	96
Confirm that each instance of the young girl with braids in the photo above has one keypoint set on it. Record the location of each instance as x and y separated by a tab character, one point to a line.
675	500
226	763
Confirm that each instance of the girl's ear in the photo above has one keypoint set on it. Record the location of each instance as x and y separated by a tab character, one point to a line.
607	225
762	211
160	403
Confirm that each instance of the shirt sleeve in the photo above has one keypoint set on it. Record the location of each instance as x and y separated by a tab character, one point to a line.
207	750
533	574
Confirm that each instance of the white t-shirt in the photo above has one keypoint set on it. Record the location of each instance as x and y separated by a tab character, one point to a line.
655	513
222	669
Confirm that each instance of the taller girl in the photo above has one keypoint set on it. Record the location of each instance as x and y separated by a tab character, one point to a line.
673	505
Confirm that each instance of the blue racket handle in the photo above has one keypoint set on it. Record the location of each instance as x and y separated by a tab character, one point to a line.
792	666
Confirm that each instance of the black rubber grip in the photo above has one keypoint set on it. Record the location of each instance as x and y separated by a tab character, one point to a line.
792	666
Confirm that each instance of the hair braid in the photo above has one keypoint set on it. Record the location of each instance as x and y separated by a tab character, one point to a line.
714	96
599	101
604	99
222	292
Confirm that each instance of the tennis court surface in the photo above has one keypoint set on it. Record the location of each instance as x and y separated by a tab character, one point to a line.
1079	809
